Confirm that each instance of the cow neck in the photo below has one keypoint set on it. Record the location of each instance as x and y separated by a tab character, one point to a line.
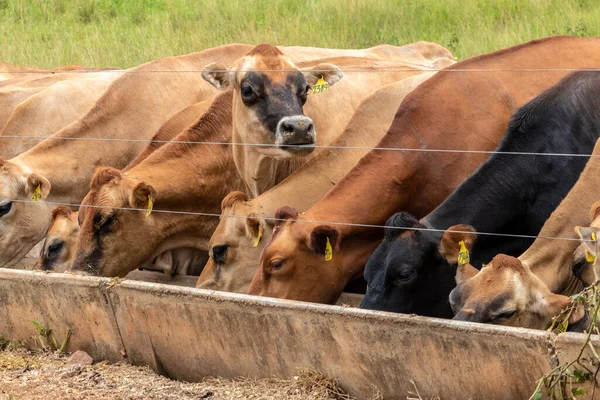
551	260
184	173
260	172
444	114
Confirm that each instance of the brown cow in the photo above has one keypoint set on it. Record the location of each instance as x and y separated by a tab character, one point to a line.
133	107
173	127
273	133
314	260
50	110
64	228
235	245
165	180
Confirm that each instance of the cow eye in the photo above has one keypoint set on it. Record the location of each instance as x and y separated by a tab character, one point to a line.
55	248
5	208
247	93
504	316
404	276
277	264
109	222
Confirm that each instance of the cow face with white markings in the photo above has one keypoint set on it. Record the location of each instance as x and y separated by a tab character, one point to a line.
269	95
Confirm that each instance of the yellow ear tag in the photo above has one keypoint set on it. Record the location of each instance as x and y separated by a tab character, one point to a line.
37	194
257	238
150	205
320	86
463	254
328	251
589	257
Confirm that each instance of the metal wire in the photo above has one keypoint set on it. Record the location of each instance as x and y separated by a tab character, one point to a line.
427	68
519	153
216	215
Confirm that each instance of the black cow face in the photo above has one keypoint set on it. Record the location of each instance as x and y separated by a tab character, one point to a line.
412	270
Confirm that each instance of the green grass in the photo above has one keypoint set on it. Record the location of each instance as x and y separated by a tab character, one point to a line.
125	33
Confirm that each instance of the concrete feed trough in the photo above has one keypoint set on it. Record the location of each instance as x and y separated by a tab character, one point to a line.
189	334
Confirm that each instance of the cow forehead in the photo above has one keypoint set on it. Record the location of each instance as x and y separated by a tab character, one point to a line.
490	284
275	68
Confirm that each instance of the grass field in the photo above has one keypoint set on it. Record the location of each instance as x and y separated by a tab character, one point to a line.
125	33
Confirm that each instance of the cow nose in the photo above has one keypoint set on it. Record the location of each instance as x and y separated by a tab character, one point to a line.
219	253
298	130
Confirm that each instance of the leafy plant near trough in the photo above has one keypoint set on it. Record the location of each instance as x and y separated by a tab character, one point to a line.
47	341
566	381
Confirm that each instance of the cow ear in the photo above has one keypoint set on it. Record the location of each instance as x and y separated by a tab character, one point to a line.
454	239
61	211
330	73
38	187
233	198
589	236
553	304
142	197
255	228
285	213
217	75
595	210
104	175
324	239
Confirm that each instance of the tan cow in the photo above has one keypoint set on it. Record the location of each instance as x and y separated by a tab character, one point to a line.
52	109
271	138
507	292
12	95
246	225
503	292
128	115
58	248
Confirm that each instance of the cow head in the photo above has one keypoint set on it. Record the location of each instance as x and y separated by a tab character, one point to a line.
116	226
585	262
23	221
290	265
412	270
269	95
58	251
506	292
235	246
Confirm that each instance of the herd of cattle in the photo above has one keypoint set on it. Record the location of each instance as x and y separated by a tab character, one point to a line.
271	171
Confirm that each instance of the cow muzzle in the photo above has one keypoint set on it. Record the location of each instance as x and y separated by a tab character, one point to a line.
296	135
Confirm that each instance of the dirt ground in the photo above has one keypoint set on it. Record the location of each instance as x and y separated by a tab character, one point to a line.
34	375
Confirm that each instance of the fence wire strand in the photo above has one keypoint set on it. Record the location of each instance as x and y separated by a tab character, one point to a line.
273	219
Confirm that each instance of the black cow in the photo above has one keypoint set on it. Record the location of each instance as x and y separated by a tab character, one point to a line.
509	194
